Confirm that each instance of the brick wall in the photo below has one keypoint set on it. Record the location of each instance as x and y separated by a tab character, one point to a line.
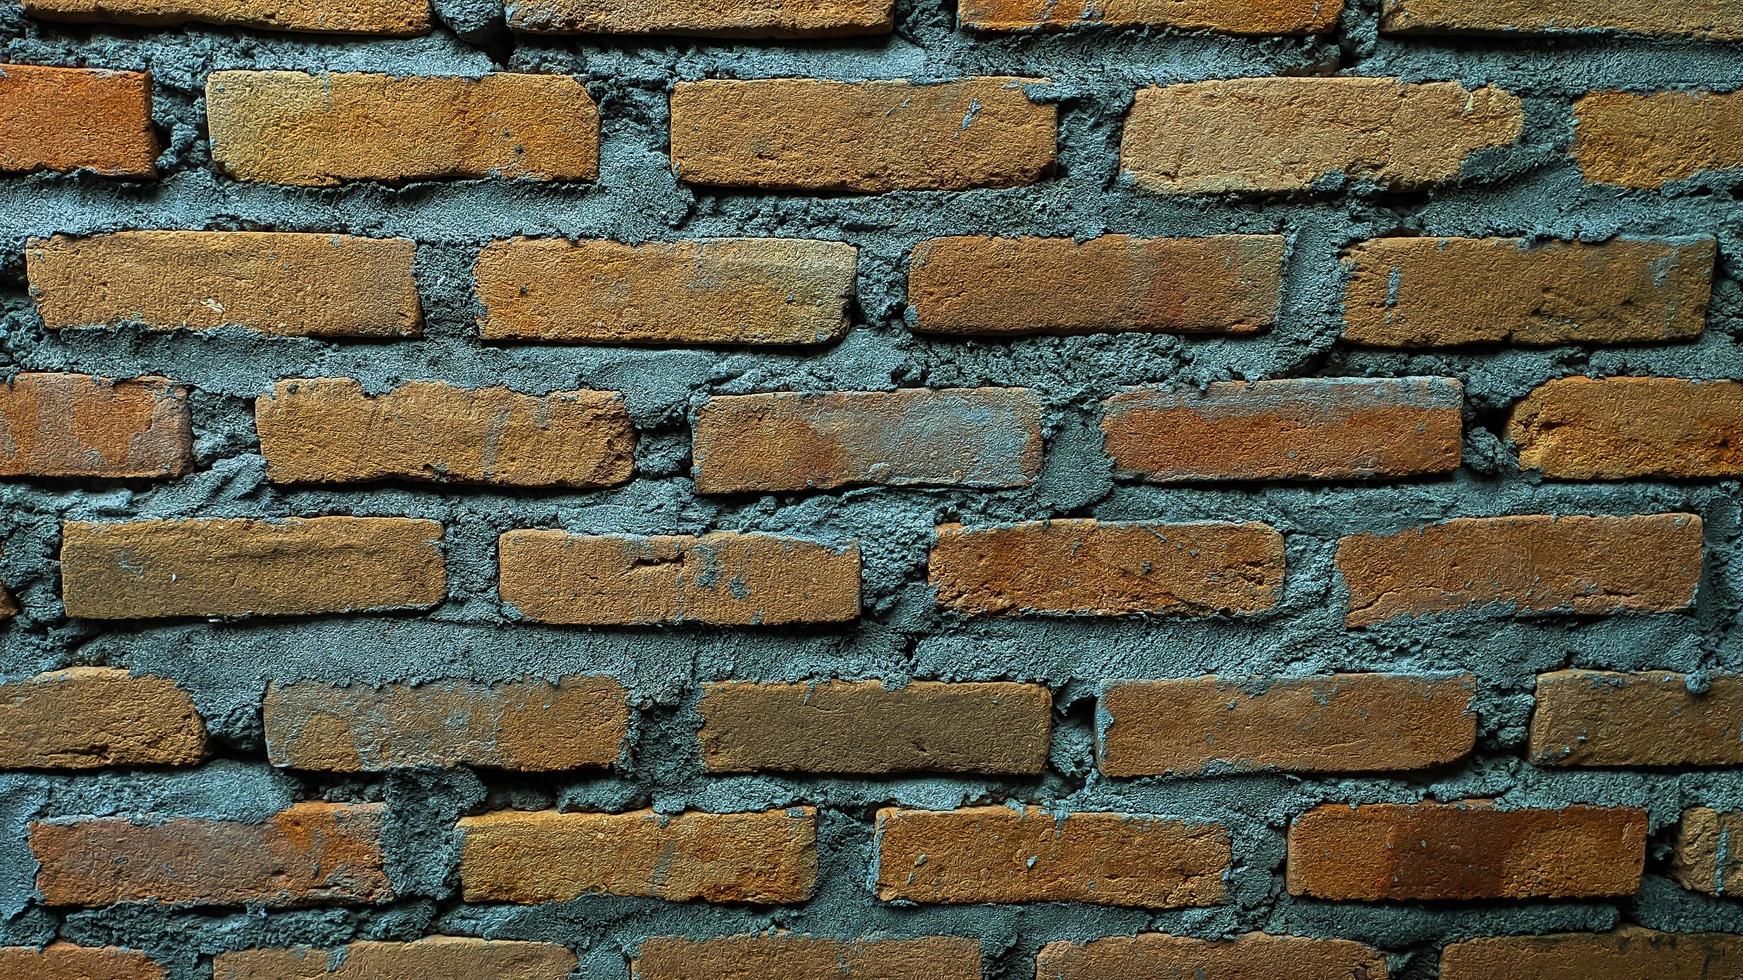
871	491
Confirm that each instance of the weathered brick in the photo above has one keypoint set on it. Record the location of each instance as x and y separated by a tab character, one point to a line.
765	858
92	717
803	134
1445	292
394	18
531	726
1719	20
1623	428
1342	723
1709	853
968	437
1101	569
1647	141
1228	16
1002	854
866	728
1464	851
1298	429
789	957
723	578
719	291
1254	956
280	283
1601	718
75	425
1004	286
244	567
64	961
1530	564
1290	134
329	430
286	127
447	957
713	18
68	119
309	854
1629	953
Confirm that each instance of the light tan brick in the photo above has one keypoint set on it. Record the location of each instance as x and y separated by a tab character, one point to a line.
1254	956
789	957
1629	953
1647	141
708	18
67	119
75	425
92	717
64	961
1719	20
1626	428
1229	16
1709	853
394	18
446	957
1602	718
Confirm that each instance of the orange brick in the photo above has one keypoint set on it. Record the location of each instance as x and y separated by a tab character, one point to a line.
310	854
1006	286
1003	854
762	858
286	127
76	119
1601	718
75	425
1289	134
92	717
280	283
1254	956
969	437
1342	723
447	957
719	291
1647	141
395	18
724	579
1624	428
64	961
1465	851
1709	853
1097	569
867	728
717	18
1528	564
1228	16
788	957
1718	20
1299	429
328	430
242	567
530	726
1629	953
804	134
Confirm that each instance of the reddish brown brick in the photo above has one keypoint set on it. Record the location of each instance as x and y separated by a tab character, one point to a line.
763	858
1301	429
1529	564
810	135
715	18
76	119
395	18
447	957
1097	569
92	717
789	957
64	961
1629	953
1647	141
1228	16
1465	851
1624	428
310	854
969	437
1709	853
75	425
1254	956
1718	20
1600	718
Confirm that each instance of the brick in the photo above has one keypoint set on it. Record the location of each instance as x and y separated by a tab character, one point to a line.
94	717
280	283
1625	428
718	291
67	119
529	726
1424	292
789	957
1629	953
1601	718
988	438
716	18
75	425
978	285
310	854
723	579
1647	141
1465	851
1228	16
64	961
1709	852
866	728
761	858
1342	723
328	430
1003	854
1254	956
286	127
1591	566
394	18
1298	429
1101	569
1291	134
447	957
244	567
1717	20
810	135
